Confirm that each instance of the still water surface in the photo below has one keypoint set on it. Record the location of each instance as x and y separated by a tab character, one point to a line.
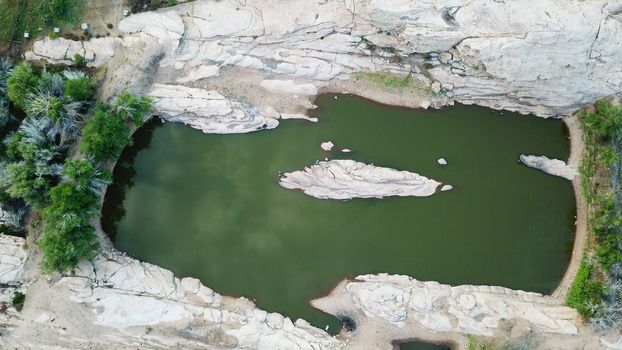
209	206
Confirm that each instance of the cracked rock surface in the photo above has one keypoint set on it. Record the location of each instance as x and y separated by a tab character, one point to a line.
347	179
545	57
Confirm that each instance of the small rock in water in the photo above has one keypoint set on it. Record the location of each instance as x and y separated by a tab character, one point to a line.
327	146
441	161
84	26
335	97
326	328
346	150
446	188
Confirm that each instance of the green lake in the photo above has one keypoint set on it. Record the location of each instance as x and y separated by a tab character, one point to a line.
209	206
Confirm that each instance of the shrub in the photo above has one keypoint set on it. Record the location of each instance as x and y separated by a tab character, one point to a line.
130	107
18	300
105	134
585	292
79	60
21	83
68	236
26	184
80	89
85	175
107	131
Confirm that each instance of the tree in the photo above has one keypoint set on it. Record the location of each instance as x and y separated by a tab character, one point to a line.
21	83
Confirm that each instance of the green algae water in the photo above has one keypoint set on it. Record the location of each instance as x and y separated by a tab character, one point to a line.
209	206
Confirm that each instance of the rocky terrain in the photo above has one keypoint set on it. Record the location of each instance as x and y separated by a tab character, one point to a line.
117	302
347	179
548	58
237	67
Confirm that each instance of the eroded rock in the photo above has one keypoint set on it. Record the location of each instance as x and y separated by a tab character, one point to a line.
554	167
347	179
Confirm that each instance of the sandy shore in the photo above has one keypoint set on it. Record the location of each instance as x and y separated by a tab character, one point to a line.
574	160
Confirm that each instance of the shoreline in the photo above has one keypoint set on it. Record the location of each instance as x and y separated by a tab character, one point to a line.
577	148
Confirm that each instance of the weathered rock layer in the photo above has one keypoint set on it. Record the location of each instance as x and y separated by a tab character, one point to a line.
347	179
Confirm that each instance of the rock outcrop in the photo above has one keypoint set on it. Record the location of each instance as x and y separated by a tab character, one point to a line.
347	179
469	309
12	258
554	167
207	110
116	302
546	57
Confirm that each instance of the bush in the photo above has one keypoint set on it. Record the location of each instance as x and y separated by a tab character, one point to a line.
18	300
105	134
85	175
26	184
80	89
21	83
585	292
130	107
79	60
68	236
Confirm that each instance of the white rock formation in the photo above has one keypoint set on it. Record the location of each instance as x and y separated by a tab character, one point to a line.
207	110
124	293
289	87
327	146
547	57
441	161
550	166
347	179
477	310
12	258
96	52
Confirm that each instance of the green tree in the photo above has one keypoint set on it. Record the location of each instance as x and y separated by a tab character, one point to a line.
23	81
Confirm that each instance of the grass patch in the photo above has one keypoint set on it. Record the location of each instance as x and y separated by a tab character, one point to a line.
38	17
387	80
8	12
